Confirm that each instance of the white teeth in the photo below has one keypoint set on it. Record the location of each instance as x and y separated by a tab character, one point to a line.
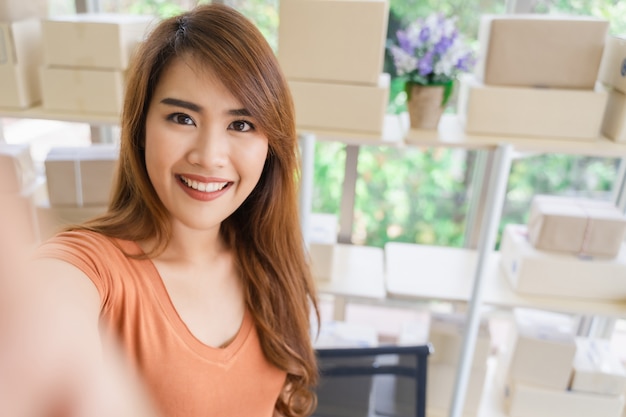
207	187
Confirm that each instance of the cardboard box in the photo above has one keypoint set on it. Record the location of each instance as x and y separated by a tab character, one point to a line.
446	333
536	272
614	122
322	259
14	10
86	91
20	42
613	65
51	220
541	349
523	400
81	176
578	225
17	170
541	50
597	368
20	86
333	40
340	107
93	40
526	111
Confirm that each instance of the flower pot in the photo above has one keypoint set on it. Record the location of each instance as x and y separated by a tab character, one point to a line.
425	104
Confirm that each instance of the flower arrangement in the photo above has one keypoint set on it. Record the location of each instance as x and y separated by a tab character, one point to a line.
431	51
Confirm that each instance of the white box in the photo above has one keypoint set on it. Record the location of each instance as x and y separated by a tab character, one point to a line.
81	176
614	122
20	86
333	40
340	107
597	368
522	400
446	333
13	10
85	91
17	170
613	65
322	258
536	272
535	50
541	349
93	40
527	111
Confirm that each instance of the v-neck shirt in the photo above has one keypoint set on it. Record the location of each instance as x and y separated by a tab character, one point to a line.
184	376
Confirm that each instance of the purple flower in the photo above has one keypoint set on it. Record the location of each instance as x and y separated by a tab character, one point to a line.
425	65
442	46
424	34
404	42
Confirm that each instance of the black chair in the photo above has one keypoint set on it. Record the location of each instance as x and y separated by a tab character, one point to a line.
340	362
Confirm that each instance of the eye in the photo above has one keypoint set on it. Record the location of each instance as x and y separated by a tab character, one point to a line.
241	126
181	119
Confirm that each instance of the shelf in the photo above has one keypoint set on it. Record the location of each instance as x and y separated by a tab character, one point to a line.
392	134
451	134
420	272
357	272
39	112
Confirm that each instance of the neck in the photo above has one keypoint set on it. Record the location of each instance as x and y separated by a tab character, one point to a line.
193	246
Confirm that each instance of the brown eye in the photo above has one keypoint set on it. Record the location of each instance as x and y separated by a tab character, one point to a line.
241	126
181	119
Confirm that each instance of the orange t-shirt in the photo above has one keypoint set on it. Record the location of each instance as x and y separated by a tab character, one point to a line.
184	376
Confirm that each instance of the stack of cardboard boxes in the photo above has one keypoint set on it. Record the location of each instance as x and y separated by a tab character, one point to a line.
570	247
536	77
445	333
85	61
547	371
20	52
79	181
613	75
20	190
332	55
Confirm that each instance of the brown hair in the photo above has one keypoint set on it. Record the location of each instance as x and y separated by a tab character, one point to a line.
264	232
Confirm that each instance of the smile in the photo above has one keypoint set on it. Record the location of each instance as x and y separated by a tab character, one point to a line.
205	187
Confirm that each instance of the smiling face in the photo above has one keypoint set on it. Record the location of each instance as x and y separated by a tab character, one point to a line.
204	152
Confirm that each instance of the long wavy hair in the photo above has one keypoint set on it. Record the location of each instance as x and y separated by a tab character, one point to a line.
264	232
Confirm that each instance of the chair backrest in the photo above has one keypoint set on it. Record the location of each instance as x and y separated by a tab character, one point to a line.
360	364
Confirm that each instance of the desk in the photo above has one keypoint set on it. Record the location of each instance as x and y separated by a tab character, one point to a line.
429	272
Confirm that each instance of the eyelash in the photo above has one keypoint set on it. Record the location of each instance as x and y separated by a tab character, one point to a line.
175	117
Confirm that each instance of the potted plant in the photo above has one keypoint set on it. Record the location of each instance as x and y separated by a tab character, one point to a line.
429	54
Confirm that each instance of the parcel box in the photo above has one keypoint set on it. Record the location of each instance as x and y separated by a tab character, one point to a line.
14	10
80	176
20	57
333	40
534	271
527	111
87	91
340	107
597	368
525	400
613	65
541	349
614	122
93	40
541	50
19	85
578	225
17	171
446	333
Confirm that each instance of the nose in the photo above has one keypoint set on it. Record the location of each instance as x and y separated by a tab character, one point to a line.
210	147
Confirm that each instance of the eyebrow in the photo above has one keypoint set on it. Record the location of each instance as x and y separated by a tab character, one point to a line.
198	109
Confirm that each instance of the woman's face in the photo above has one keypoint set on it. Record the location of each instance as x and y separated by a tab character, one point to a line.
204	152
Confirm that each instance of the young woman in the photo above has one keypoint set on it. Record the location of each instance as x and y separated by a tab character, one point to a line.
198	268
